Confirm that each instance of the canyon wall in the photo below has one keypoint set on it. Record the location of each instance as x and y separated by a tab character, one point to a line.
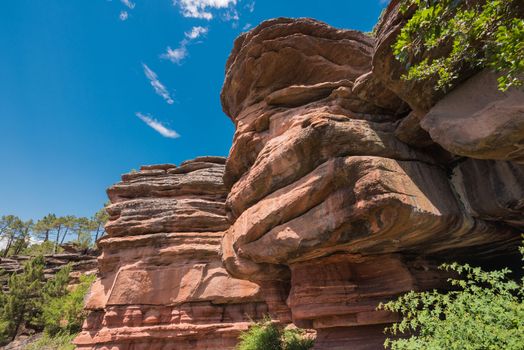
345	186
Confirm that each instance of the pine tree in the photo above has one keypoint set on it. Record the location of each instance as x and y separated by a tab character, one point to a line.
100	219
23	303
45	226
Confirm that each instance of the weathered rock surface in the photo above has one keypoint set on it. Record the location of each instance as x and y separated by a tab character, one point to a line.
479	121
162	284
336	188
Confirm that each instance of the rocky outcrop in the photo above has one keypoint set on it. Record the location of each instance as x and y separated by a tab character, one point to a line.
161	281
338	188
82	262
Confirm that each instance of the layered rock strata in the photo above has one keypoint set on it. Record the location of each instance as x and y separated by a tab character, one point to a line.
336	186
81	263
161	282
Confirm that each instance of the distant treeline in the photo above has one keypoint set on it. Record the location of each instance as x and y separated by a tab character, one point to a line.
47	234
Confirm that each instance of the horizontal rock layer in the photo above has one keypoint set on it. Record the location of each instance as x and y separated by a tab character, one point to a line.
162	284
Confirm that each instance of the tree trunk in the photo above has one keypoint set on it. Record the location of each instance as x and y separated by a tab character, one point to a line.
18	324
57	238
64	236
10	240
97	232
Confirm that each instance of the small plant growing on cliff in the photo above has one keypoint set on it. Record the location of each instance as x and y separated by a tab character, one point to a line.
486	311
266	335
468	34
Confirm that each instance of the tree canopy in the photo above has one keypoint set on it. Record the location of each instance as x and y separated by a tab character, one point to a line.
47	234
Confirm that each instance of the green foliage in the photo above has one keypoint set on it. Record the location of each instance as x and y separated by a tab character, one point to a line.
46	247
23	303
486	311
296	339
35	303
65	314
15	233
479	34
267	335
61	341
51	231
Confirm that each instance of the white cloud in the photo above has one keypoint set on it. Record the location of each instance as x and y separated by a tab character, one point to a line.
196	32
247	26
128	3
178	54
231	15
157	126
160	89
251	6
123	15
175	55
202	8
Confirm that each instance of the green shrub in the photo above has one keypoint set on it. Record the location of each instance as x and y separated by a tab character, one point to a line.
43	248
486	311
266	335
296	339
65	314
41	305
23	303
479	34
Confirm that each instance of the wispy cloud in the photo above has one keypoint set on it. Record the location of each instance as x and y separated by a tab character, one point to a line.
247	26
160	89
128	3
250	6
202	8
177	55
157	126
123	15
196	32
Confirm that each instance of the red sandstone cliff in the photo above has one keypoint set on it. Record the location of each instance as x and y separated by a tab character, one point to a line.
162	284
337	186
345	186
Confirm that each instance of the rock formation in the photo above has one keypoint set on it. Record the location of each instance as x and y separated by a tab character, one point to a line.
81	263
346	181
345	186
162	284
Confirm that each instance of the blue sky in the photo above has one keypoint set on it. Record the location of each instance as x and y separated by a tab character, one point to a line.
90	89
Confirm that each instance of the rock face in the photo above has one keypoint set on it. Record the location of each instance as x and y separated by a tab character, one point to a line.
345	186
479	121
162	284
338	188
